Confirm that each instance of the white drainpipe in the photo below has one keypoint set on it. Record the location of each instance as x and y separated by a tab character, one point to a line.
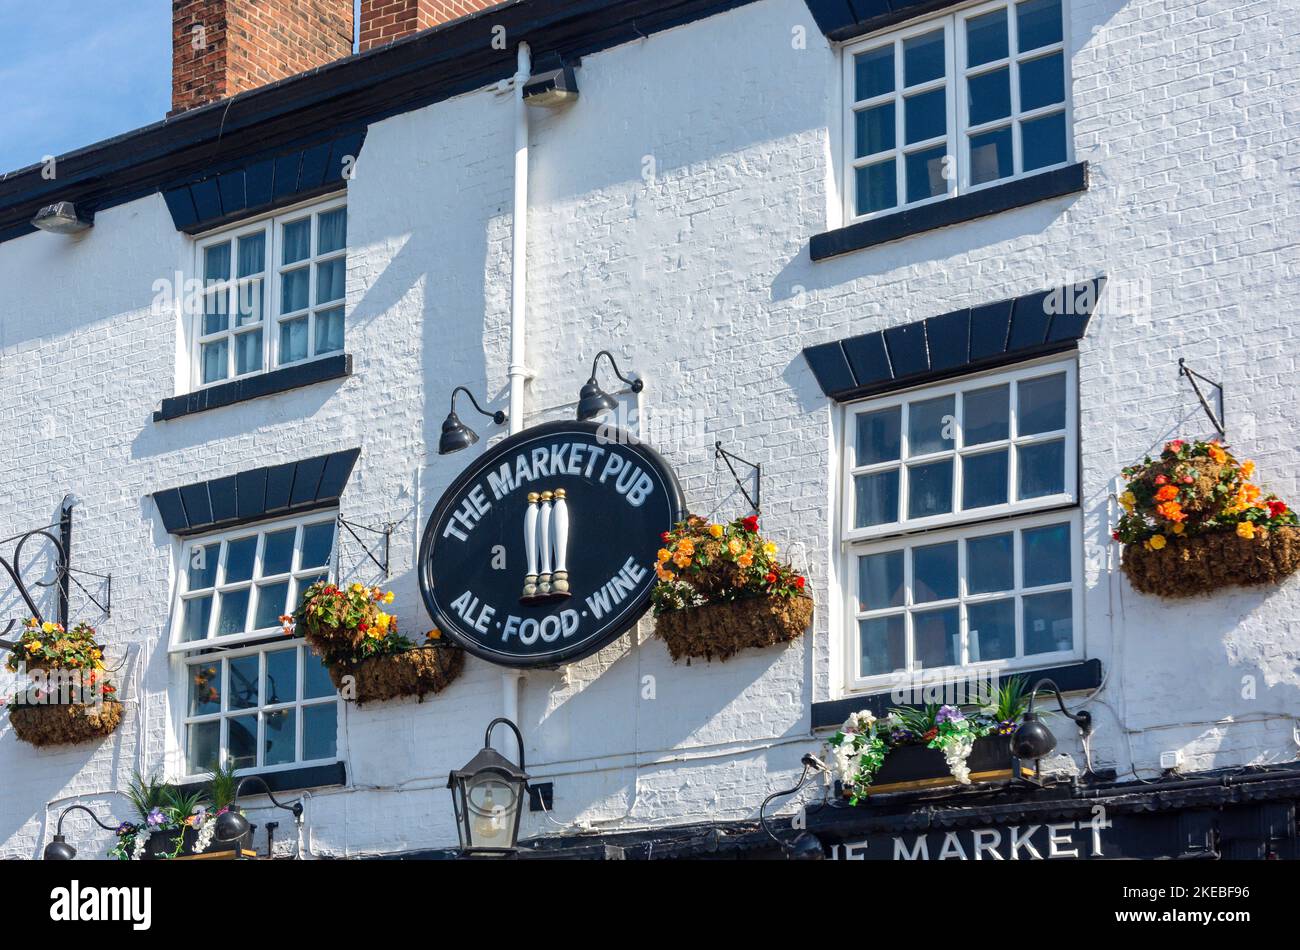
511	679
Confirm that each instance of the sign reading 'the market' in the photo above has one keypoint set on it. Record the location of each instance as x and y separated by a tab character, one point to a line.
543	550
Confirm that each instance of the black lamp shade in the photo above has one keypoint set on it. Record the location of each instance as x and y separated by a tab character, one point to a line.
488	794
455	435
594	401
806	847
1032	739
231	826
59	850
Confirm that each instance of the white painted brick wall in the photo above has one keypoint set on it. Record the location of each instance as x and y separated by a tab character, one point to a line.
697	277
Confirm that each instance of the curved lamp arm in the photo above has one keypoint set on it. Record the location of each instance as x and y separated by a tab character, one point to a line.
502	721
810	763
296	807
1082	719
636	384
58	830
498	417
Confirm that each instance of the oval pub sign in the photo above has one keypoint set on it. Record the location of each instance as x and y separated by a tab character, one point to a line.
543	550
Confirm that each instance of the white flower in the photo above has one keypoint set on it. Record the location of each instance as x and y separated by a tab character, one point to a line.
955	752
207	828
141	839
859	722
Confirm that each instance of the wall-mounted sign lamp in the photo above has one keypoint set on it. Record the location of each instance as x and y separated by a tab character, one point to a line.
805	846
1032	739
232	825
59	849
62	217
455	434
594	401
488	795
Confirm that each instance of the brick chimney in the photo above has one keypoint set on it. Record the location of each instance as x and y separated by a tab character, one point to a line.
383	21
221	48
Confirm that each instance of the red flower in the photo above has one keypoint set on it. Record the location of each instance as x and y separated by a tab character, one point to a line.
363	626
1276	509
770	578
799	582
664	537
929	735
1114	535
751	523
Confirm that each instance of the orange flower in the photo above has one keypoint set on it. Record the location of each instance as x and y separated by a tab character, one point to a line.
1167	493
1171	511
1217	453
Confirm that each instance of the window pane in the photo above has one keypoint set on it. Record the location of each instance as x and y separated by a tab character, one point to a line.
1041	405
934	572
1038	23
333	233
202	742
876	499
929	489
986	38
214	361
991	156
923	58
1042	469
990	96
277	552
197	614
873	73
252	254
271	600
320	732
297	241
1042	141
205	688
216	311
234	613
330	280
293	290
242	749
316	678
877	187
281	737
239	559
216	262
878	436
281	677
989	566
992	630
293	340
875	130
985	415
984	479
1046	555
882	645
248	303
329	331
1049	623
925	116
880	581
203	566
925	173
317	543
248	352
930	425
243	682
936	634
1042	82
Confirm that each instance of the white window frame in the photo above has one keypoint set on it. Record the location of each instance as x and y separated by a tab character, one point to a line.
957	102
261	529
878	682
272	225
1022	371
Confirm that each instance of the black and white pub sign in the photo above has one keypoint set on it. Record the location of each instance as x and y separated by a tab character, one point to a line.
543	550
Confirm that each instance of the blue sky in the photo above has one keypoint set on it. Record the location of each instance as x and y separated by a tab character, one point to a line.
74	72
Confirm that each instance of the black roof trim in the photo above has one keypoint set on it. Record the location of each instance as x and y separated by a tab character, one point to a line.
347	95
846	19
956	343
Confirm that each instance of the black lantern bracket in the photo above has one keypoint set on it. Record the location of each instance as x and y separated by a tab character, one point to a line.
1195	378
376	543
755	468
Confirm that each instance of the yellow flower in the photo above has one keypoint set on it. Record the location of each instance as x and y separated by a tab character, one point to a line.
682	560
47	627
33	646
1218	454
716	530
665	555
769	549
1178	527
734	546
1128	500
383	620
388	598
1245	529
1157	542
434	634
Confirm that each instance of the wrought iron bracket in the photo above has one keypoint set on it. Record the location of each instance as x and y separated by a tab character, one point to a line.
1195	378
381	543
755	499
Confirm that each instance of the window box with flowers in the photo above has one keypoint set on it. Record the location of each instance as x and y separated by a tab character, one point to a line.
69	697
368	660
172	824
1193	522
721	590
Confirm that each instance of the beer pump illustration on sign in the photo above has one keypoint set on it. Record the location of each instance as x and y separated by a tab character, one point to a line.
543	550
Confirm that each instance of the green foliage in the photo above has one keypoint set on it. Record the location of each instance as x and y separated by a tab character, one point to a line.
222	784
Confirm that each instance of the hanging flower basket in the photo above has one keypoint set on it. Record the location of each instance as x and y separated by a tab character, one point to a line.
1193	522
49	724
722	590
416	672
722	630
